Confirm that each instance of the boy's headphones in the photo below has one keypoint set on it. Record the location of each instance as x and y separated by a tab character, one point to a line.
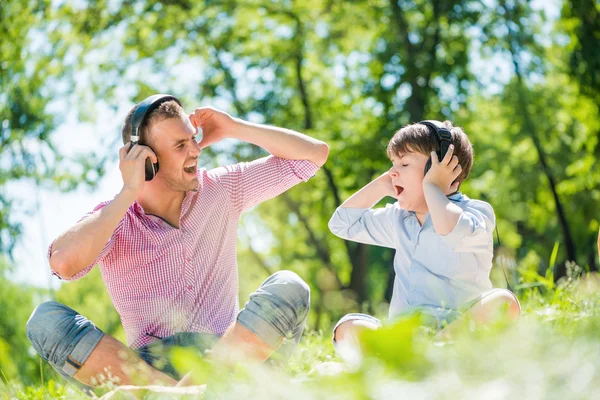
442	134
143	109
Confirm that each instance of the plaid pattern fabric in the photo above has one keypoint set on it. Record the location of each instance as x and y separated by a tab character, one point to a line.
164	280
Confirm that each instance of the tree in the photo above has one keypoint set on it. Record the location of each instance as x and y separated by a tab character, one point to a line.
32	74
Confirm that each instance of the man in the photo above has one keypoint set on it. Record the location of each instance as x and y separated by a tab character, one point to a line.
166	250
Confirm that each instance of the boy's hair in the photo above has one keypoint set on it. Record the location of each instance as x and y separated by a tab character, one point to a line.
166	110
418	138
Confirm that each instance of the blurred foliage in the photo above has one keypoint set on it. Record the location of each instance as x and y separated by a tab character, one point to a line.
35	70
523	84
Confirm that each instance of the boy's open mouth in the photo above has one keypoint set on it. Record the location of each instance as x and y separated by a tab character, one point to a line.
398	189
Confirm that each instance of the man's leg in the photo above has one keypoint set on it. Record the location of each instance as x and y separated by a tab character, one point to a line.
275	313
79	351
493	306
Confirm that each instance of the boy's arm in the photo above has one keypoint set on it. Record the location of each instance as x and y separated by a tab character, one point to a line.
370	195
468	229
280	142
355	220
437	184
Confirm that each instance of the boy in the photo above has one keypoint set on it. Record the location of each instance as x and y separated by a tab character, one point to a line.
443	239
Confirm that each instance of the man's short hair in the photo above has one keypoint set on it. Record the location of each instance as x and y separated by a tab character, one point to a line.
166	110
418	138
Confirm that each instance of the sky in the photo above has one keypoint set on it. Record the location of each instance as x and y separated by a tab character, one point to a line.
45	213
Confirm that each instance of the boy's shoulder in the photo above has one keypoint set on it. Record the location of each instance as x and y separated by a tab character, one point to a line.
466	203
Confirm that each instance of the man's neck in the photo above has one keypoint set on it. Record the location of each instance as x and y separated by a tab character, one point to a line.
163	202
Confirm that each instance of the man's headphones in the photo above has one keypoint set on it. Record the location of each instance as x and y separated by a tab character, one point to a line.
143	109
442	134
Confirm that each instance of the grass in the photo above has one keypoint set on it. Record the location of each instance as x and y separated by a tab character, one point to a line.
552	353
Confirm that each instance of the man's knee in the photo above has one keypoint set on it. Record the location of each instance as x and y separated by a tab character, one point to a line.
42	324
55	330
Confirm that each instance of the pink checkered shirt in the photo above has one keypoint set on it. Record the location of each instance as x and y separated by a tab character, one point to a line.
164	280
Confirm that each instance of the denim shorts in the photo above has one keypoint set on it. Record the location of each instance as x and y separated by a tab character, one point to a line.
276	313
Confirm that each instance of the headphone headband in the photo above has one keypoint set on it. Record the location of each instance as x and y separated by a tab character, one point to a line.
145	108
443	136
440	131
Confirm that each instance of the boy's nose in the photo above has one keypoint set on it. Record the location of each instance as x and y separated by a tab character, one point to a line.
393	173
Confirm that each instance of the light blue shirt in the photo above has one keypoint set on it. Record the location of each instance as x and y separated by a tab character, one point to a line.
432	270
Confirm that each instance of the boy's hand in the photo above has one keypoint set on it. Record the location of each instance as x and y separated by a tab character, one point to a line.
384	185
443	173
215	125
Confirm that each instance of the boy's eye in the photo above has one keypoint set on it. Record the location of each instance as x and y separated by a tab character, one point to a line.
405	165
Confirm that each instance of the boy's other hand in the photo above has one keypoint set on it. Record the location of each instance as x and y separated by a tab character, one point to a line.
443	173
215	125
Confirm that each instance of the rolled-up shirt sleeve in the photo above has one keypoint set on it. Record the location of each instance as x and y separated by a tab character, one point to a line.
366	225
474	230
251	183
103	253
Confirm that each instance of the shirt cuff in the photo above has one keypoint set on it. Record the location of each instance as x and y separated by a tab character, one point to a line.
463	227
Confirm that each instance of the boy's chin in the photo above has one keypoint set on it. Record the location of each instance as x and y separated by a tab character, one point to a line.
408	205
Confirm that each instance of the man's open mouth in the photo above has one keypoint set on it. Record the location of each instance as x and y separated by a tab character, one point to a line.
190	169
399	189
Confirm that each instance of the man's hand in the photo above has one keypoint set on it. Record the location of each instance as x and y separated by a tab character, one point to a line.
215	125
443	173
131	164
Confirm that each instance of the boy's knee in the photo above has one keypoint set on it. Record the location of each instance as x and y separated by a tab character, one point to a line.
505	301
513	307
351	329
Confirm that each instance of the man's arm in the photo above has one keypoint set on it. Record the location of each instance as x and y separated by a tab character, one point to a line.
79	246
280	142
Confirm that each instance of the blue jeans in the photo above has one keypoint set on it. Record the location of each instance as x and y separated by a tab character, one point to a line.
276	313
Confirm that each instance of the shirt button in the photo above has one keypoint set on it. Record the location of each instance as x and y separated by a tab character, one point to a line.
189	287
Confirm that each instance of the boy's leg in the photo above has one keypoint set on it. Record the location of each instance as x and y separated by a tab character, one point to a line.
275	313
80	352
346	335
349	327
492	306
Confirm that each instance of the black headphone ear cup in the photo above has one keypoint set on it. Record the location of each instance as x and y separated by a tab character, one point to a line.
151	169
